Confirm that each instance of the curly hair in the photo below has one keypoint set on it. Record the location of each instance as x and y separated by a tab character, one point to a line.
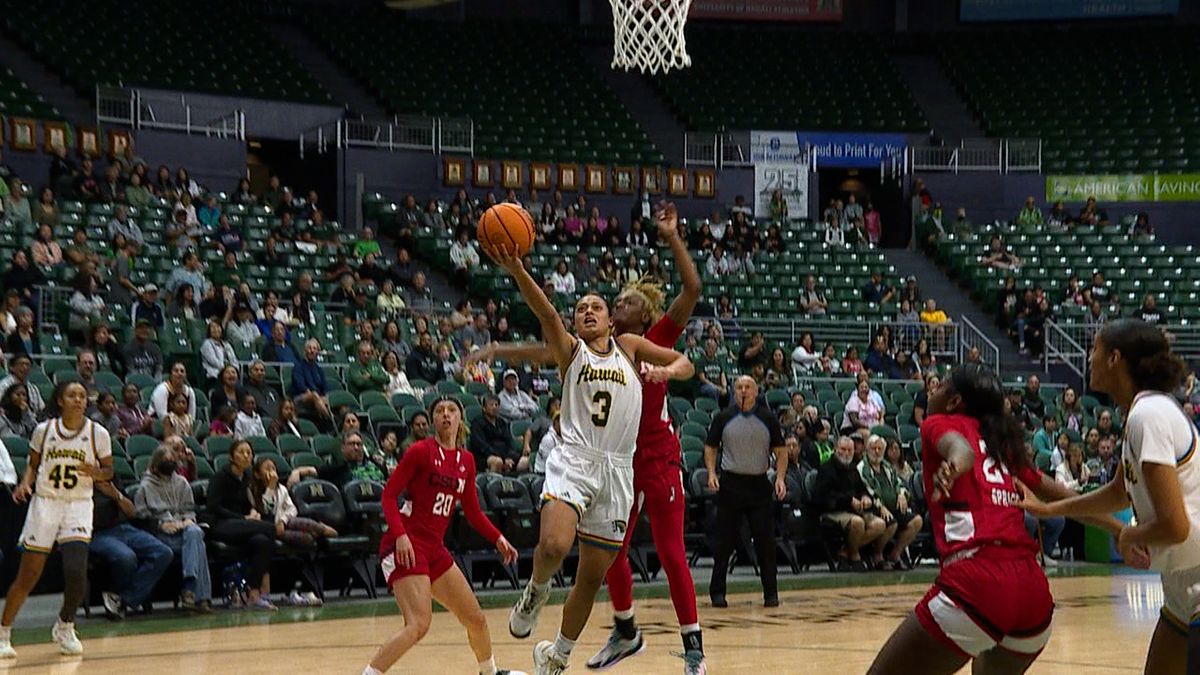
652	294
1147	353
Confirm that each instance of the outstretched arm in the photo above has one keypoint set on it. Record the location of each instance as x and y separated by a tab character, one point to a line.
560	342
513	352
1052	490
668	230
670	364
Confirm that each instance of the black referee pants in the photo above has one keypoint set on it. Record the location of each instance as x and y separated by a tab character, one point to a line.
745	497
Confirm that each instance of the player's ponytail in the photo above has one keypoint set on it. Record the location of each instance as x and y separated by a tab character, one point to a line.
1147	354
983	398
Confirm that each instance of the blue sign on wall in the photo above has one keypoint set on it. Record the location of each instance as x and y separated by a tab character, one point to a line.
852	150
1034	10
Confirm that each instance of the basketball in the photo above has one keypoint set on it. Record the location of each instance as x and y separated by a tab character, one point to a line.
508	225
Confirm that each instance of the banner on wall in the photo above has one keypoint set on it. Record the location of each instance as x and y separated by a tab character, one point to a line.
790	178
767	10
1181	187
777	147
1034	10
847	150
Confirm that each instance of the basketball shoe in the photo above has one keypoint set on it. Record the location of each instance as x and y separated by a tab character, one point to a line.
524	616
617	649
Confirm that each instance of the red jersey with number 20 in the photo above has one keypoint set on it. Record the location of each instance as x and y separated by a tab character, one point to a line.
434	479
656	441
980	508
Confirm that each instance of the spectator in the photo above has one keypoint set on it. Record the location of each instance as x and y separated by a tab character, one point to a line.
248	422
122	290
478	334
22	277
24	339
779	370
812	301
562	279
122	225
898	460
227	238
1074	472
370	273
351	463
178	421
754	353
893	501
142	355
423	362
366	373
793	414
216	353
137	194
1032	399
16	416
86	305
136	560
1149	311
491	441
45	212
1035	323
1108	464
1071	415
1104	425
1045	441
285	423
720	264
109	356
238	524
389	303
19	365
132	413
397	380
515	404
1059	218
1092	214
176	383
853	210
464	256
273	501
308	388
877	291
266	396
420	298
872	224
921	401
147	308
710	372
279	349
46	252
191	272
1098	291
745	436
243	329
1030	215
835	237
631	272
999	257
879	360
844	501
805	356
851	364
861	411
778	207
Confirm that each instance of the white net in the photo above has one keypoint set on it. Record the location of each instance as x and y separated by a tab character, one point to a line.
649	35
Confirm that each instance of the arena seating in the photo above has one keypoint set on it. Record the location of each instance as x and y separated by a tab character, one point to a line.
530	95
215	48
1132	267
780	78
18	100
1114	100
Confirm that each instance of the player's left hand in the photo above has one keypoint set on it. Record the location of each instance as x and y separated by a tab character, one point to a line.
506	550
780	488
657	374
1136	556
504	256
91	470
22	493
943	480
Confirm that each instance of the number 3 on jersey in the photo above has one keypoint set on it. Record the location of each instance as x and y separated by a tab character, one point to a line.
443	504
601	404
64	477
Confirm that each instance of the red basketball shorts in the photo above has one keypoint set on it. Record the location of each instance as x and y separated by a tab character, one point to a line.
988	600
432	560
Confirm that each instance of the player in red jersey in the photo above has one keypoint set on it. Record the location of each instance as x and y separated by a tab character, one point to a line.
657	464
991	601
436	473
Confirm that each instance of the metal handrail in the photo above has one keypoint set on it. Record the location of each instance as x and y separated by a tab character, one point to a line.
1061	348
989	353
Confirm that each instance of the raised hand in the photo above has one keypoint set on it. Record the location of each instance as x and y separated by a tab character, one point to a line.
668	221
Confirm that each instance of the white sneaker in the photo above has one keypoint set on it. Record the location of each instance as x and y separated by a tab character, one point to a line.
6	648
617	649
312	600
68	641
546	661
294	599
693	663
524	616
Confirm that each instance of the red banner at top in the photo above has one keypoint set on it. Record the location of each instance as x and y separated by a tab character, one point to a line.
767	10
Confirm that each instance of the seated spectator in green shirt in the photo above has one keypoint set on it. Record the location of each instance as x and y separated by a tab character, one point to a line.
366	373
137	194
1030	214
367	244
227	274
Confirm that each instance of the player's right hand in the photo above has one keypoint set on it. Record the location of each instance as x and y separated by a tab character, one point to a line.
504	256
22	493
1030	502
943	480
668	221
405	555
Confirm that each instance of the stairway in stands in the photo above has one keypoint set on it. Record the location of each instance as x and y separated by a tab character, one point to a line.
314	57
957	303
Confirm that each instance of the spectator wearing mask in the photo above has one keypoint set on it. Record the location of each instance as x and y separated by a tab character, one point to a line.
165	499
515	404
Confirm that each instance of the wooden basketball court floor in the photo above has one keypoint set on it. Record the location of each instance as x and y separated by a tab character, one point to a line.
1102	625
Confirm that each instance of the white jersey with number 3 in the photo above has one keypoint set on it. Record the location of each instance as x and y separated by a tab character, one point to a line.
1159	432
62	453
601	401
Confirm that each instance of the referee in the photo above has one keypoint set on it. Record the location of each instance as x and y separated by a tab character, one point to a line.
745	434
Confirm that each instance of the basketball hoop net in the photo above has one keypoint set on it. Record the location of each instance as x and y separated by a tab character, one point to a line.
649	35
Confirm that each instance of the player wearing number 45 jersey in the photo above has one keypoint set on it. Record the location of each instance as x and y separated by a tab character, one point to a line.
67	454
1131	361
589	477
657	477
990	603
434	475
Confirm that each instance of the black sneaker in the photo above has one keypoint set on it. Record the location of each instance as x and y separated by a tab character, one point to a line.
772	601
615	650
719	601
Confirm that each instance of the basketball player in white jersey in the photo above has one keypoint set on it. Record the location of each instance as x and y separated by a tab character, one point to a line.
67	453
1132	362
589	478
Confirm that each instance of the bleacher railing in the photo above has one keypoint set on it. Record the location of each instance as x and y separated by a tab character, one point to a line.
993	155
1070	343
717	148
402	132
970	337
944	339
133	108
